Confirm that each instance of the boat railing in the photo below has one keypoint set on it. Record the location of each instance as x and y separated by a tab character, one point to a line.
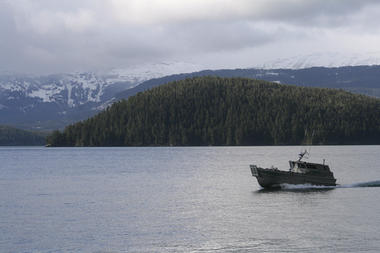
254	171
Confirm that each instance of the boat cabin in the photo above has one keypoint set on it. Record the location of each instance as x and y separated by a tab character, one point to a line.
304	167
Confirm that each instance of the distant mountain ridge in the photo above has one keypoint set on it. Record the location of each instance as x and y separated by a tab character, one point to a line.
323	59
357	79
54	101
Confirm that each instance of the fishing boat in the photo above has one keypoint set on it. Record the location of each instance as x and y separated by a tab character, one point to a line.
300	172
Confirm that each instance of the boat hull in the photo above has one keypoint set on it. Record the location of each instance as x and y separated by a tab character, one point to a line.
272	178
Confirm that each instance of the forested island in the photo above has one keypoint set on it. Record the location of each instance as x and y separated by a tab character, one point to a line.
10	136
229	111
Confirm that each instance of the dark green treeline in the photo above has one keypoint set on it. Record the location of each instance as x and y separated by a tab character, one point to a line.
10	136
230	111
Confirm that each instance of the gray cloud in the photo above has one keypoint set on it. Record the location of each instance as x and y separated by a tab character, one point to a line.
47	36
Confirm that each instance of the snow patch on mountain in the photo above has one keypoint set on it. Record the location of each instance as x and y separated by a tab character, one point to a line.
325	59
141	73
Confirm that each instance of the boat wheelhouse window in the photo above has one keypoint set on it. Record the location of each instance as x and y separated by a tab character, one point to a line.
301	165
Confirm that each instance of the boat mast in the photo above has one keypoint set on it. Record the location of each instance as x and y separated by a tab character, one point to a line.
302	154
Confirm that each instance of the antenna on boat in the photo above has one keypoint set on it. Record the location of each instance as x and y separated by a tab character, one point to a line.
302	154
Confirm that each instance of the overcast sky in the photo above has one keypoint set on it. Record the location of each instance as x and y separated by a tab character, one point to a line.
47	36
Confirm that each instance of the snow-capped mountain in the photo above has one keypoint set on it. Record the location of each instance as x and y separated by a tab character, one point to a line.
70	89
53	101
30	100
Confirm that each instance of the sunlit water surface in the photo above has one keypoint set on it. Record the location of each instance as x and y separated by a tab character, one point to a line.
200	199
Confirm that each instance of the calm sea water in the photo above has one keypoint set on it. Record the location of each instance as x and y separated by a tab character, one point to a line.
177	199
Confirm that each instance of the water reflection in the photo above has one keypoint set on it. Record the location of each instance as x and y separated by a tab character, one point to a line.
296	190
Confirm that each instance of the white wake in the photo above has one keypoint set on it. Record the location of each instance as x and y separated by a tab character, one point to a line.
309	186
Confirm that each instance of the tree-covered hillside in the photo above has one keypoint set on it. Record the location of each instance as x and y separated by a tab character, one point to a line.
10	136
230	111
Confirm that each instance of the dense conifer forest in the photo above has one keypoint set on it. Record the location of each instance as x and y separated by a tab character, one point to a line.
229	111
10	136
